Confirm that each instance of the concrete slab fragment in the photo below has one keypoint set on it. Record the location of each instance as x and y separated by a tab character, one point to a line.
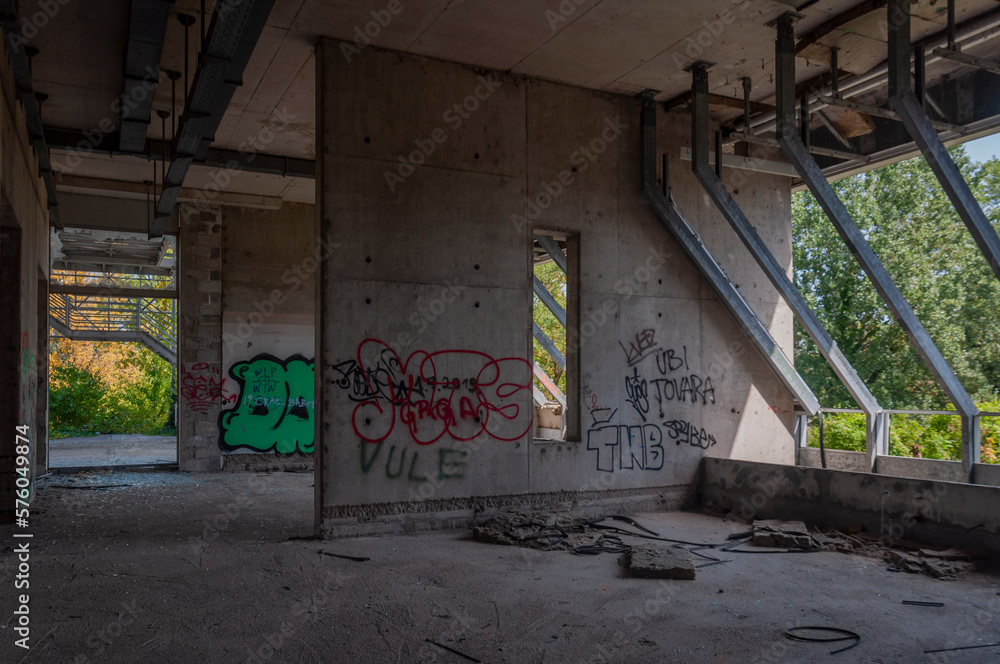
654	561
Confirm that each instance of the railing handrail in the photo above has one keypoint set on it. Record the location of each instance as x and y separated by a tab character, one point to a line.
115	314
895	411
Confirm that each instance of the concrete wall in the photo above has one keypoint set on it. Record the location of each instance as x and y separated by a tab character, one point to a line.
835	459
24	252
247	297
918	469
269	262
934	511
433	177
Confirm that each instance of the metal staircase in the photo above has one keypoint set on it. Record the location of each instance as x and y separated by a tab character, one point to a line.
102	316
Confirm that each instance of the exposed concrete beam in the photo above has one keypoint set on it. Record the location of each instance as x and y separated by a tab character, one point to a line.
136	191
72	140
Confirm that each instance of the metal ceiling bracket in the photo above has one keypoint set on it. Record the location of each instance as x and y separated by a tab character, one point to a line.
918	125
858	245
739	222
713	273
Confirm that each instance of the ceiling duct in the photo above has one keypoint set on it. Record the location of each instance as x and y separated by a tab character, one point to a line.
236	27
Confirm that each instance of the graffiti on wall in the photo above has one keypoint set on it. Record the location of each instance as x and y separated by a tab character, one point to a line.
633	447
202	387
656	378
443	463
275	407
459	394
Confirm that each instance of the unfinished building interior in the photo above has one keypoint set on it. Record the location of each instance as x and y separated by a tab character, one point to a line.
331	216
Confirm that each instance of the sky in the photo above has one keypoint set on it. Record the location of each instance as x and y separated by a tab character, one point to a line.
984	149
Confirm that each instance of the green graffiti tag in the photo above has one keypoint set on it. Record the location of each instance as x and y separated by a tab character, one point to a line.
275	411
450	464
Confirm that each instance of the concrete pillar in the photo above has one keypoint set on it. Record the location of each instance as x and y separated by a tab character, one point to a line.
199	328
42	379
10	363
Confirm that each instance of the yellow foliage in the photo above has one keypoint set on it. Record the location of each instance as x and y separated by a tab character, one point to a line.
103	359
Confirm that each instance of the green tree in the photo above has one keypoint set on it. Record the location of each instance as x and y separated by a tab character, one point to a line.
912	226
555	281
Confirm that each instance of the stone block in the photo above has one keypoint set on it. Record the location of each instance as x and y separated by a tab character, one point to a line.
660	561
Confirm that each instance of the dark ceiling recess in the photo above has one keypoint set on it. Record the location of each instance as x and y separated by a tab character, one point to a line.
16	43
232	36
147	25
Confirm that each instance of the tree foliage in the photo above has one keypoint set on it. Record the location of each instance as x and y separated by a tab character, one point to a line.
912	226
555	281
107	387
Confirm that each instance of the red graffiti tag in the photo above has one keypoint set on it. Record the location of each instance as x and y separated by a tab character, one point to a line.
201	386
479	395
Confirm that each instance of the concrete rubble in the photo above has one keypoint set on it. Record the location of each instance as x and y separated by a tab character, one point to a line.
648	557
658	561
782	534
538	530
902	555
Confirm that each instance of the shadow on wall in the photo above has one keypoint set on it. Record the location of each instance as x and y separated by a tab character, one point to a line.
275	409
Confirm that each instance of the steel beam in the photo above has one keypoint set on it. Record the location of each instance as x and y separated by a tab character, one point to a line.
552	248
699	254
739	222
549	346
968	60
753	164
112	291
549	384
918	125
814	149
235	160
801	431
549	301
886	113
812	175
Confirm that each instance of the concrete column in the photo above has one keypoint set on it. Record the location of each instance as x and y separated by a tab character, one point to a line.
10	357
199	368
42	380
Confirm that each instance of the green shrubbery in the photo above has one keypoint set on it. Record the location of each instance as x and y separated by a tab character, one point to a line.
108	387
925	436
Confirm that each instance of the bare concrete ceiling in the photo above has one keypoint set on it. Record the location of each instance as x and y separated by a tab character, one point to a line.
618	46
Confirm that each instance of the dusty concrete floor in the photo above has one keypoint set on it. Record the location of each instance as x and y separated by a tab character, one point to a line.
118	575
112	450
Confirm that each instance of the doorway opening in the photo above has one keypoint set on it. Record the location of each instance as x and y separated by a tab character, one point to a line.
112	315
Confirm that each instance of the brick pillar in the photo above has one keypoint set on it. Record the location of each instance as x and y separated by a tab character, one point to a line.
199	373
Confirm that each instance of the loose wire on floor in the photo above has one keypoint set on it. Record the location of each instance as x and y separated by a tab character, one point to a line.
845	635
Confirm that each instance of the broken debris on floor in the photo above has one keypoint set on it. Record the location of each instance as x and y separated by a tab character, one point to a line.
782	535
648	555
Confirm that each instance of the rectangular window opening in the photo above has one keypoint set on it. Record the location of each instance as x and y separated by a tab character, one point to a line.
555	315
